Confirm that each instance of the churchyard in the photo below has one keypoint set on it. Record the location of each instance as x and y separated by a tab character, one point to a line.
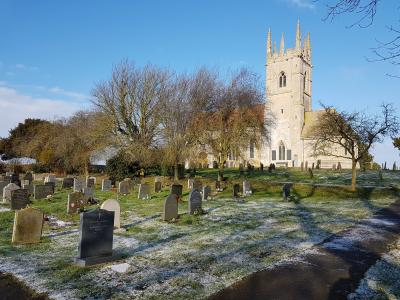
195	255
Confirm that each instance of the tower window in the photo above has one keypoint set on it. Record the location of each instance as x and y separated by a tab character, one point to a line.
281	151
289	154
251	149
282	80
273	154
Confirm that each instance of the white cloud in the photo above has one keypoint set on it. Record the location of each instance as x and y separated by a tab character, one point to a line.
301	3
20	66
15	107
74	95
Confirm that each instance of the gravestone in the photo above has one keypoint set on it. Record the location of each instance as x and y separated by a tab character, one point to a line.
7	191
52	184
3	184
41	191
334	167
246	188
218	186
190	183
286	191
194	202
130	182
144	191
28	176
124	187
106	185
302	166
7	179
50	178
339	166
261	167
236	190
113	205
206	193
88	192
28	187
177	190
67	182
311	173
76	201
19	199
312	166
95	237
197	185
157	179
28	224
157	186
15	179
79	184
24	182
170	208
90	182
306	165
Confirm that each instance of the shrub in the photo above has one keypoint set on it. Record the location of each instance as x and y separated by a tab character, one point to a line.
119	167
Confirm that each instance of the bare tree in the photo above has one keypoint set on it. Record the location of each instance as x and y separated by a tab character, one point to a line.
235	117
366	11
132	100
354	133
188	97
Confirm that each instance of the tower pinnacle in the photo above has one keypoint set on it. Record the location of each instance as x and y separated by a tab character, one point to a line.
282	49
298	36
269	46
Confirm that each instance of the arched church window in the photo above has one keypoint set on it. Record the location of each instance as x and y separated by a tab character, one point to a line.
282	80
282	151
251	149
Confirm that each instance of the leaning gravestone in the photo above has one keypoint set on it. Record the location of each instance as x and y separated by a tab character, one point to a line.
8	190
19	199
194	202
67	182
79	184
41	191
106	185
76	200
157	186
95	237
28	224
124	187
236	190
177	190
113	205
246	188
144	191
206	193
170	208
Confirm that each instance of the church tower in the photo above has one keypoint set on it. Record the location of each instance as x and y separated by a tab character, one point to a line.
289	91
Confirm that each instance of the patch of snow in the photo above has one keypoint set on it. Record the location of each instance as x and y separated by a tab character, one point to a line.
120	268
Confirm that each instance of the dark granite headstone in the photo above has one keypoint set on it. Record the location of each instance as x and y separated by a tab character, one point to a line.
67	182
52	184
170	208
95	237
236	190
90	182
177	190
286	191
194	202
19	199
41	191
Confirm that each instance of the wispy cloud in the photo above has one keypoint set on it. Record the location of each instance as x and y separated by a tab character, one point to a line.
16	106
23	67
308	4
74	95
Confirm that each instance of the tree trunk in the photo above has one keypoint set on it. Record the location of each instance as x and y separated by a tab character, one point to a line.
176	172
353	174
220	169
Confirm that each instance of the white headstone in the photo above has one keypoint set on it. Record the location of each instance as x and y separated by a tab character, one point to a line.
7	192
113	205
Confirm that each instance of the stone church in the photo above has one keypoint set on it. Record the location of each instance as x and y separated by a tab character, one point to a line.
289	102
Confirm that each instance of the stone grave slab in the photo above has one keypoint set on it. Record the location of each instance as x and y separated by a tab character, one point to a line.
206	193
157	186
144	191
124	187
76	200
41	191
246	188
113	205
90	182
106	185
28	224
50	178
170	208
95	237
7	191
236	190
3	184
19	199
52	184
194	202
177	190
79	184
67	182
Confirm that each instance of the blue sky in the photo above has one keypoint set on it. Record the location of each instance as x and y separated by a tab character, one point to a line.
53	52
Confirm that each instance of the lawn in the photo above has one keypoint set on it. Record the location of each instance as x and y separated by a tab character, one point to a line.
196	255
